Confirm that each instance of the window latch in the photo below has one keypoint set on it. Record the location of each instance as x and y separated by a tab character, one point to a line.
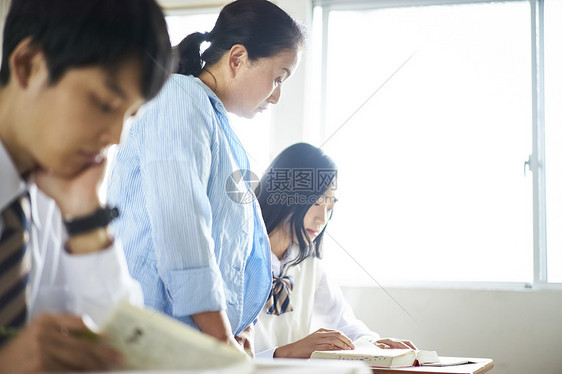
527	164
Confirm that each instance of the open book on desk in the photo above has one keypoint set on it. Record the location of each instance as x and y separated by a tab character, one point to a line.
366	351
150	340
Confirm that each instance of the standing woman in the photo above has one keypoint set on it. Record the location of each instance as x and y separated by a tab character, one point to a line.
201	255
297	195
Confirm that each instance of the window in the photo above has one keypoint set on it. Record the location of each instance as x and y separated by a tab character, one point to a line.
436	102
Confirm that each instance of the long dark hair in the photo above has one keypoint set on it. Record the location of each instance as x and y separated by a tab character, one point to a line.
259	25
293	182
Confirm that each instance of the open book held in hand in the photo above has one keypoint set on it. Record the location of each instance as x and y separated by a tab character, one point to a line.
150	340
366	351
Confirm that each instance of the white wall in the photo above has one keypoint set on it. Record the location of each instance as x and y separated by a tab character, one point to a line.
520	330
288	116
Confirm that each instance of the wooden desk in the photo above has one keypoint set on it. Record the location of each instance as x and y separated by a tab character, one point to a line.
477	366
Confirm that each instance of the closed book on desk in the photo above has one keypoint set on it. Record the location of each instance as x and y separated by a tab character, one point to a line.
366	351
150	340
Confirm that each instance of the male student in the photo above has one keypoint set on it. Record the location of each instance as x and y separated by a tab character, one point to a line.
71	72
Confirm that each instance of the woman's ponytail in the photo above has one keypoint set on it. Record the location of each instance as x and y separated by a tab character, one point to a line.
188	54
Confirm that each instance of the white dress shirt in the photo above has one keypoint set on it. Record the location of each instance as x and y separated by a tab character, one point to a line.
318	303
89	284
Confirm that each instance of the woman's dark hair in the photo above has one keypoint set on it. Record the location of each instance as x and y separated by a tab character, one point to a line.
259	25
78	33
294	182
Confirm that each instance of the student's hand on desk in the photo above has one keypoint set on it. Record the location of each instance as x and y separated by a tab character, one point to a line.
52	342
320	340
393	343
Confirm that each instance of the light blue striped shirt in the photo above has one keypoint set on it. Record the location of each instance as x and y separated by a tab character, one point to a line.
192	247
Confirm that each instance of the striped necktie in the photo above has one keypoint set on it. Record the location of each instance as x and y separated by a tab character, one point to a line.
278	301
15	263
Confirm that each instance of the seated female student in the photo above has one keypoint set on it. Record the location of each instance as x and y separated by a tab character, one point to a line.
297	198
200	255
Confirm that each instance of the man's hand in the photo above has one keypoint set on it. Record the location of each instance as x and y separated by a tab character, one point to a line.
320	340
53	342
75	196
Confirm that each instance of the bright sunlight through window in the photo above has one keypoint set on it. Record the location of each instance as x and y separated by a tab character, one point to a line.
431	179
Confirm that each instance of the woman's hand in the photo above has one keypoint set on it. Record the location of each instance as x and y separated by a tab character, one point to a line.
56	342
320	340
393	343
246	340
216	324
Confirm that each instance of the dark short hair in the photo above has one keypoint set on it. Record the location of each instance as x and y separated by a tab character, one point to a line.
78	33
279	180
259	25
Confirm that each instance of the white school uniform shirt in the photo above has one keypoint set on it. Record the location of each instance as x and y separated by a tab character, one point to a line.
317	303
88	284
